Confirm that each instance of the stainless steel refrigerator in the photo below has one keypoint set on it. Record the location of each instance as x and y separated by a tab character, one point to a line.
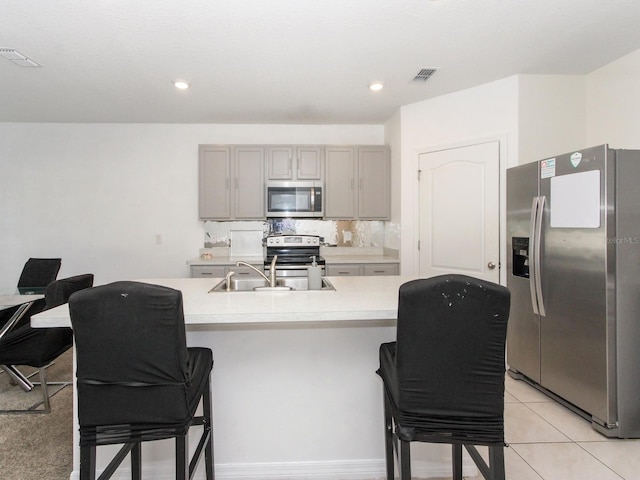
573	227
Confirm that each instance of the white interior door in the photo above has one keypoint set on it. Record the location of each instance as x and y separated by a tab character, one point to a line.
460	211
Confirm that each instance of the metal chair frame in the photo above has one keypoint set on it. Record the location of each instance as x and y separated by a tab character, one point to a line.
185	467
399	451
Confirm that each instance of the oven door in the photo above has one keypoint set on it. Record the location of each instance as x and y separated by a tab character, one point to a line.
294	199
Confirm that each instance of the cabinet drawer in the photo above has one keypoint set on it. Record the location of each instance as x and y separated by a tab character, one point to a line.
387	269
343	270
214	271
245	271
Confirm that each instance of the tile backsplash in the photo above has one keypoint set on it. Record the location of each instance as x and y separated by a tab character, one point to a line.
342	233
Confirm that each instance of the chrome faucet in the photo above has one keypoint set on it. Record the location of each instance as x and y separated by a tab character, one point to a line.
272	271
227	280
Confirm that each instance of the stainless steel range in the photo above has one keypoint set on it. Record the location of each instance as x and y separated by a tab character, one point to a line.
295	253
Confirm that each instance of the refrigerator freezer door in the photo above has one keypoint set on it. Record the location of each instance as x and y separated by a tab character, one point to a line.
523	335
573	334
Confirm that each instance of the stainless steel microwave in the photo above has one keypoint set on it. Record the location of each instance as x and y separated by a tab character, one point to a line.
294	199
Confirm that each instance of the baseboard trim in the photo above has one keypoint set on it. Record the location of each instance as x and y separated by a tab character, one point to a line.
373	469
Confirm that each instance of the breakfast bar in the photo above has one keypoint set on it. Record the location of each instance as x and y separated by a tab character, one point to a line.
294	389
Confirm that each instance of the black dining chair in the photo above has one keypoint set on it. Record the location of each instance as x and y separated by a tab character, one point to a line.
36	274
136	379
444	376
39	347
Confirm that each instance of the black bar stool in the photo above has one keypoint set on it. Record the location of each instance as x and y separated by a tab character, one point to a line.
137	380
444	376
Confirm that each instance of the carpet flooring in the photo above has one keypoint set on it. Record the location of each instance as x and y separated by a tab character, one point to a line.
37	446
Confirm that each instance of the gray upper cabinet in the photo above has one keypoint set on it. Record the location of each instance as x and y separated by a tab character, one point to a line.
294	162
214	174
340	193
231	182
248	198
357	182
232	179
374	171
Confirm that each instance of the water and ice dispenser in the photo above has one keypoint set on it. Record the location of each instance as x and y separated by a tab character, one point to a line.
520	252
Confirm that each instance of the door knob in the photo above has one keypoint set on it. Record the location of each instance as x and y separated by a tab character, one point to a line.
491	265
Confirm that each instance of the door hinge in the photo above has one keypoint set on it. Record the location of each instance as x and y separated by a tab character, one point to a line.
418	245
419	171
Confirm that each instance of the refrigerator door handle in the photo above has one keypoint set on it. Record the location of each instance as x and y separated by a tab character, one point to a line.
537	255
533	273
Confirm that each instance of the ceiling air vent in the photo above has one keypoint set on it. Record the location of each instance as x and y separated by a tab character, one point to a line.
18	58
424	74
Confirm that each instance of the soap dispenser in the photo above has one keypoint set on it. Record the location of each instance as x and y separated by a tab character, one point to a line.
314	275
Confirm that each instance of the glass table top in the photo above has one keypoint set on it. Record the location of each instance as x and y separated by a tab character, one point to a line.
10	297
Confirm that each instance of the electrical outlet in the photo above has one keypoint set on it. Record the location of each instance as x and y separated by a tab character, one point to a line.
158	238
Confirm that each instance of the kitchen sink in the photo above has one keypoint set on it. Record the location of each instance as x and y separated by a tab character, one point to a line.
258	284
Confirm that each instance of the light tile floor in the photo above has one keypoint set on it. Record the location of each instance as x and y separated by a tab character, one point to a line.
548	441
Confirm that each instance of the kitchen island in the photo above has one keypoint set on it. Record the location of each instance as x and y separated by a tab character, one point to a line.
295	393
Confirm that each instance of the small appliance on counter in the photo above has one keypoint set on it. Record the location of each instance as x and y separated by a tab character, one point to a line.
295	254
245	243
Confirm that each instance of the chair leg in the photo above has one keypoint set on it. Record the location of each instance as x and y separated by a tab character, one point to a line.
456	458
405	460
208	425
182	458
45	390
136	462
388	438
496	462
87	463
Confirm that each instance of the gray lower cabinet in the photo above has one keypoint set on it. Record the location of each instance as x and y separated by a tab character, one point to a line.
381	269
220	271
369	269
212	271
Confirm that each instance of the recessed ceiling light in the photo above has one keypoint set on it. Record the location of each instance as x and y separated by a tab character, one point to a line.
181	84
377	86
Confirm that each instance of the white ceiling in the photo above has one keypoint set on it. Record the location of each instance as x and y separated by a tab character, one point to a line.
287	61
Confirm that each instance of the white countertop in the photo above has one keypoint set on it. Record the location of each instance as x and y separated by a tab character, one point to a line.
354	299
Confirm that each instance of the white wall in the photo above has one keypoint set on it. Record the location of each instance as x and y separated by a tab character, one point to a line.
98	194
613	103
487	111
393	138
552	115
